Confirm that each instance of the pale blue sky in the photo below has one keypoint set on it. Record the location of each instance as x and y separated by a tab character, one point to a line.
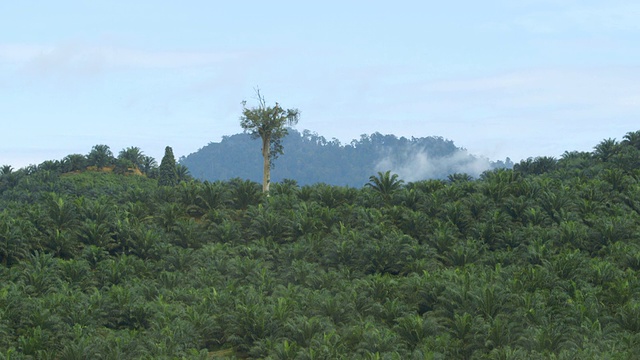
501	78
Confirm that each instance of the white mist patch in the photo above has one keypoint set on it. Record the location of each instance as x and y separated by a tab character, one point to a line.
417	164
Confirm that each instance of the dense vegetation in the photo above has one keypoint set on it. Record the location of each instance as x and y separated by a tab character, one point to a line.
536	262
310	158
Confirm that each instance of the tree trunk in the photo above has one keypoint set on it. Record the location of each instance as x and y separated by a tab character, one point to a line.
266	170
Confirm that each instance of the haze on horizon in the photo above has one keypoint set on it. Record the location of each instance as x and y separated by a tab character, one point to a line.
499	78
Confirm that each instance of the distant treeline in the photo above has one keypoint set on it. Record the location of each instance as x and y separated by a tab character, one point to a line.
310	158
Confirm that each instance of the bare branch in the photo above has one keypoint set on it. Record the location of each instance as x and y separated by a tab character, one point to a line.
262	103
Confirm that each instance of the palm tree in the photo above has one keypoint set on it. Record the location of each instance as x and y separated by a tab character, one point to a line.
244	193
61	212
13	239
50	166
459	177
500	183
268	224
6	169
183	173
74	162
100	156
385	184
618	180
302	329
133	154
148	164
413	328
539	165
96	233
606	149
633	139
212	195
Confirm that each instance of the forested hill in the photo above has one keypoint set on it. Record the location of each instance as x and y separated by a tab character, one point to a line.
310	158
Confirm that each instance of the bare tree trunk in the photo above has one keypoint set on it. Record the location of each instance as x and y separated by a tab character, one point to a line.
266	170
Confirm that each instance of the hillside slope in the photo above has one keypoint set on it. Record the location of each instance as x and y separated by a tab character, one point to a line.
541	261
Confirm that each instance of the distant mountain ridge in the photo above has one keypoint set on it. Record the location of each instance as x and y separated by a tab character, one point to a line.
310	158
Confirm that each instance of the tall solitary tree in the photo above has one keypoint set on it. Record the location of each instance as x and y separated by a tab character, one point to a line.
268	123
168	175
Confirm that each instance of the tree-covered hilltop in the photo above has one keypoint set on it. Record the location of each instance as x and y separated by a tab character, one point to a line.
309	158
541	261
130	161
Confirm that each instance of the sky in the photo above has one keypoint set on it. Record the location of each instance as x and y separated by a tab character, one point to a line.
501	78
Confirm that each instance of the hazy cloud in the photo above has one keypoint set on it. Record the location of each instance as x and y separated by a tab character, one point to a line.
555	90
606	16
416	164
80	58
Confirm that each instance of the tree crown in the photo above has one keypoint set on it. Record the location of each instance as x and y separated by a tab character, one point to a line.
268	123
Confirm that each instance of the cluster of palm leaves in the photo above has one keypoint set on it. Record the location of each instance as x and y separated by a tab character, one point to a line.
537	262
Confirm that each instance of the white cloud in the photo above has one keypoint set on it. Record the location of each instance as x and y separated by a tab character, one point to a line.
92	59
18	53
418	165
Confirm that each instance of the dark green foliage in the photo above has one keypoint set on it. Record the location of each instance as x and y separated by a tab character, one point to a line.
134	155
518	264
539	165
182	173
149	166
6	170
606	149
74	162
385	184
168	174
124	166
269	124
100	156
